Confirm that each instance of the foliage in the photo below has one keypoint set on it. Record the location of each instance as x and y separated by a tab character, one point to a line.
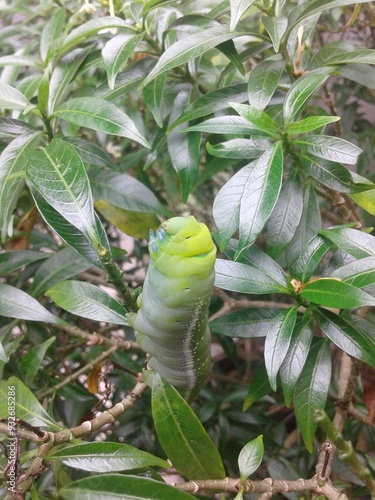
250	116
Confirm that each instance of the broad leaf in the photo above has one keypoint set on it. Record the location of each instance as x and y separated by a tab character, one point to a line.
153	96
30	364
11	98
238	148
10	261
182	436
276	27
98	114
347	336
308	259
311	390
27	406
105	457
15	303
263	81
330	148
52	31
228	125
359	273
237	8
259	386
91	153
250	457
277	342
88	301
354	242
310	123
13	161
11	128
245	323
332	292
257	118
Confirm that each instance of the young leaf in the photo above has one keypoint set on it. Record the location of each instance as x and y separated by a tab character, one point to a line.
260	195
263	81
15	303
88	301
311	390
182	436
97	114
58	174
332	292
259	386
52	31
257	118
310	123
347	335
277	342
295	359
29	365
13	161
105	457
300	91
27	406
329	148
245	323
183	149
250	457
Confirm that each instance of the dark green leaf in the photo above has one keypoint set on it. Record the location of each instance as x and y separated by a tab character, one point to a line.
10	261
263	81
260	195
276	27
98	114
308	260
285	217
105	457
238	148
257	118
294	361
332	292
88	301
311	390
250	457
30	364
58	174
352	241
310	123
245	323
347	336
182	436
259	386
329	148
359	273
229	50
277	342
183	148
27	406
300	91
15	303
13	161
60	266
120	487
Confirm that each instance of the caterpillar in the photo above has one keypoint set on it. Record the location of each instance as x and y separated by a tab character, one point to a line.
171	324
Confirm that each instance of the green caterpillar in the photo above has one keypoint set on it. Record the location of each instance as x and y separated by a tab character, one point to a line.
172	322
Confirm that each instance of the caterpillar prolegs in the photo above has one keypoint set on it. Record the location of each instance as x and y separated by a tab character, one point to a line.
172	322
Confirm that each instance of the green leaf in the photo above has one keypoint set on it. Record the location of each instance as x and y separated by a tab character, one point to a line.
18	60
124	191
11	98
365	200
98	114
238	148
182	436
250	457
15	303
257	118
91	153
153	95
105	457
10	261
60	266
311	390
27	407
88	301
331	292
116	52
300	91
354	242
329	148
277	342
332	53
286	216
260	195
121	487
191	47
227	125
238	277
92	27
308	259
10	128
244	323
229	50
295	359
30	364
13	161
212	102
58	174
310	123
347	335
51	33
276	27
184	149
68	233
259	386
359	273
263	81
237	8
